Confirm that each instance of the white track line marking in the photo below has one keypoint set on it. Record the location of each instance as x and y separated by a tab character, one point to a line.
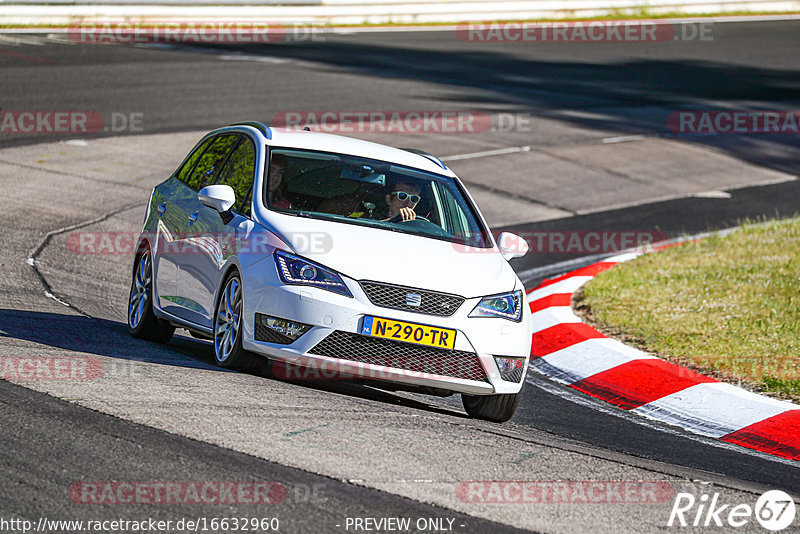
624	139
485	153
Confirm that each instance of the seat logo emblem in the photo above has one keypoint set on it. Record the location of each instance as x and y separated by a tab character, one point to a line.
413	299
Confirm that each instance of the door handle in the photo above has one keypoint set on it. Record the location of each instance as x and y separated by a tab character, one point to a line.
162	208
192	218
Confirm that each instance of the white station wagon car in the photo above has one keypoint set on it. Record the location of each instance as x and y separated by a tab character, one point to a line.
346	257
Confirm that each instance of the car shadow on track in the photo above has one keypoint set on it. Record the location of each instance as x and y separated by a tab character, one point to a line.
102	337
99	337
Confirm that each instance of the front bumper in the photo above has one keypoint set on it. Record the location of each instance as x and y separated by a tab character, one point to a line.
334	345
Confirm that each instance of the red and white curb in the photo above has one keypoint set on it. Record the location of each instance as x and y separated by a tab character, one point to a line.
573	353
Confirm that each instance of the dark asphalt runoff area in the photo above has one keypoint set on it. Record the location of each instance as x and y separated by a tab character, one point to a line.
573	91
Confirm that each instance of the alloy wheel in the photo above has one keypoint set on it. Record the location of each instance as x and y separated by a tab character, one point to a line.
226	326
140	290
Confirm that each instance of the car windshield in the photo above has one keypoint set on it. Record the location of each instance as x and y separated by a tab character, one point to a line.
373	193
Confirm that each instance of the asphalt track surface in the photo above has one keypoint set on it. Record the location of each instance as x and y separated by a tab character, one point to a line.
606	90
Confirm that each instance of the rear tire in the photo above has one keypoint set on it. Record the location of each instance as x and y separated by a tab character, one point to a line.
228	331
495	408
142	322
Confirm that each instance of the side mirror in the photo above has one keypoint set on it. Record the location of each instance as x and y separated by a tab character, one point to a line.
218	197
511	245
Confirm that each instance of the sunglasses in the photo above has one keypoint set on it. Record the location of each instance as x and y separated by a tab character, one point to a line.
402	196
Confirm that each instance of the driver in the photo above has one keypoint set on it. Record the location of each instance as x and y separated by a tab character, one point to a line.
276	182
401	201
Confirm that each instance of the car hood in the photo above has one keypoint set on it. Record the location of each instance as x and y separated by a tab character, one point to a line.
364	253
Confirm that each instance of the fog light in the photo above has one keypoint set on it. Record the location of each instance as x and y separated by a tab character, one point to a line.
507	365
510	368
279	330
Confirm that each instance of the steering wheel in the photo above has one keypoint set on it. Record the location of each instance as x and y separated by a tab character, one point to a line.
399	218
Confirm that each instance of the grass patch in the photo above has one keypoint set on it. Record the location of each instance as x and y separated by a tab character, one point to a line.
728	307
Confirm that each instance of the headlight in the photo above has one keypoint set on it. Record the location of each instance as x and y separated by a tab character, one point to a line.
297	271
507	305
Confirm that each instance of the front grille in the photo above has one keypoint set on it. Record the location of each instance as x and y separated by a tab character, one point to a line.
398	297
398	355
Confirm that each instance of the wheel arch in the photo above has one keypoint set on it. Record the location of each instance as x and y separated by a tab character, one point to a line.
226	271
142	245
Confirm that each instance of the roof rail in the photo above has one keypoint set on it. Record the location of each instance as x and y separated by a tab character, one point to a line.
428	155
260	126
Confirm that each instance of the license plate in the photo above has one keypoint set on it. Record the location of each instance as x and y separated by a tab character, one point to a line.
430	336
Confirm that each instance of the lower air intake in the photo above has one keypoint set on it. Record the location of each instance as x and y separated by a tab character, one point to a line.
398	355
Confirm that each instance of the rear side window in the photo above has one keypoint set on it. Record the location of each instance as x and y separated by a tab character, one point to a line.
188	165
238	173
212	160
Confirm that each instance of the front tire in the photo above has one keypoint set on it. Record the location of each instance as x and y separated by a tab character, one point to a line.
228	331
142	323
495	408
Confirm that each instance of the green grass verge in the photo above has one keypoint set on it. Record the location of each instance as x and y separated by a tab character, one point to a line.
727	306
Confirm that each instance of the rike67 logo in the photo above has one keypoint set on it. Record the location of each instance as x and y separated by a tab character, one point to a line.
774	510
